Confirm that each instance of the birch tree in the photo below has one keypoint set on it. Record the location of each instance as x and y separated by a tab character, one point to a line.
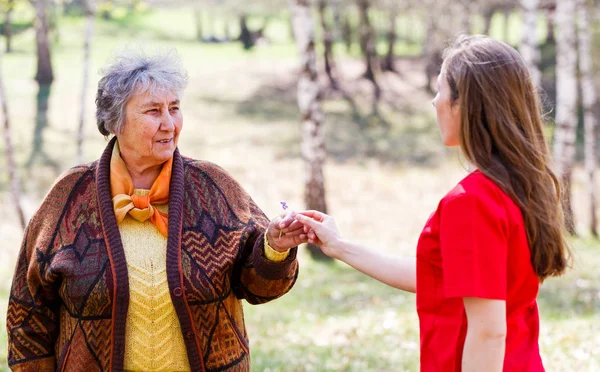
529	46
44	74
309	95
89	29
566	102
8	148
589	99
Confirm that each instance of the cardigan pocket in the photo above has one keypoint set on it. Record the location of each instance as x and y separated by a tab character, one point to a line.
225	346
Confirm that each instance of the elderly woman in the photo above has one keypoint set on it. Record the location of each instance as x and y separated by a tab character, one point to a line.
139	261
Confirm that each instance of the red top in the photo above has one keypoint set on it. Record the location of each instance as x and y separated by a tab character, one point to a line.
475	245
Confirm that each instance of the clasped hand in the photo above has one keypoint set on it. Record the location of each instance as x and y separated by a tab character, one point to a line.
285	232
321	231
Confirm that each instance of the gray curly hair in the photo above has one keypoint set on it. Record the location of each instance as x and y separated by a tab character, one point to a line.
134	73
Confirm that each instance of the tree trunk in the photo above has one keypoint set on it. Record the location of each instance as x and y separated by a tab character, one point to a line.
313	135
566	101
90	12
488	13
107	12
388	64
198	19
550	20
245	34
12	169
529	46
8	25
44	74
368	46
432	50
210	23
347	33
506	14
226	32
336	9
328	46
464	15
588	98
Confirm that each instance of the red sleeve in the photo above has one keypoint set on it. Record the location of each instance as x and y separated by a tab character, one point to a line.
474	245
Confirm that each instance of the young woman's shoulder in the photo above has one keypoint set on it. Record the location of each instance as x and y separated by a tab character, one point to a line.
477	189
475	185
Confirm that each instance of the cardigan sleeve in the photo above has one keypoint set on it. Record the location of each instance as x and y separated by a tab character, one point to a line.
260	279
254	276
32	315
32	319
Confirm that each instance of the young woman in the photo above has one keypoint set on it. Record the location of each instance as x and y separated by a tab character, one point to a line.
494	237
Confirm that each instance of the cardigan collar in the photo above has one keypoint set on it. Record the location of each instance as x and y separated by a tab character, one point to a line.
112	237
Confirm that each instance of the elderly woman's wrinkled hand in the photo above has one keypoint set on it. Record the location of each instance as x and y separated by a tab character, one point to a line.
284	232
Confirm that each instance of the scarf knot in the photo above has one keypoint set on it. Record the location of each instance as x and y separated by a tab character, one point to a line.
139	204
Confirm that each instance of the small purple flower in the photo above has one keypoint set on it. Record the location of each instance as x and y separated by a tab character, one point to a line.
283	205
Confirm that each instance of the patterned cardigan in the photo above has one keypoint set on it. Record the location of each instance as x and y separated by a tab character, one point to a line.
70	293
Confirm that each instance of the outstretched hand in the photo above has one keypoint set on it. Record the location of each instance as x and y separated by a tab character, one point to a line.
322	231
284	232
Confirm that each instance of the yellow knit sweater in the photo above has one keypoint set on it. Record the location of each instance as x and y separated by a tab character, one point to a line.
153	339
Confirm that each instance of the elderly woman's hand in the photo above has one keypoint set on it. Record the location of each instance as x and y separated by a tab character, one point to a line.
284	232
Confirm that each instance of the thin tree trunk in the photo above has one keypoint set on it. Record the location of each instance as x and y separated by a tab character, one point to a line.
198	19
12	169
369	51
245	34
90	11
313	135
589	99
328	46
465	13
550	22
226	32
432	49
330	65
566	101
506	14
44	74
8	25
347	33
388	64
488	13
529	46
336	9
108	8
211	25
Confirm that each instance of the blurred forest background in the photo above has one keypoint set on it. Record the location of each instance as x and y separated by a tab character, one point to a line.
324	104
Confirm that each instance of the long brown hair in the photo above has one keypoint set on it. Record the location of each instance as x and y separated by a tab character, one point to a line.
501	132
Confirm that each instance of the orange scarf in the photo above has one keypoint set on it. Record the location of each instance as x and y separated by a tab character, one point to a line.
140	207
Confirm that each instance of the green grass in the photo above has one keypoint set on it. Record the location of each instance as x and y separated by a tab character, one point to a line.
382	184
338	319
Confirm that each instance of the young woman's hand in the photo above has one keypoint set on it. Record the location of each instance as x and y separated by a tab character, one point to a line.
321	231
284	232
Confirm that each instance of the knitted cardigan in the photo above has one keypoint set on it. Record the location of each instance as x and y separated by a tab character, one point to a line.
70	293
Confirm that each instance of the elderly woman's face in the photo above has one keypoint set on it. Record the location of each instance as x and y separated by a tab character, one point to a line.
151	129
